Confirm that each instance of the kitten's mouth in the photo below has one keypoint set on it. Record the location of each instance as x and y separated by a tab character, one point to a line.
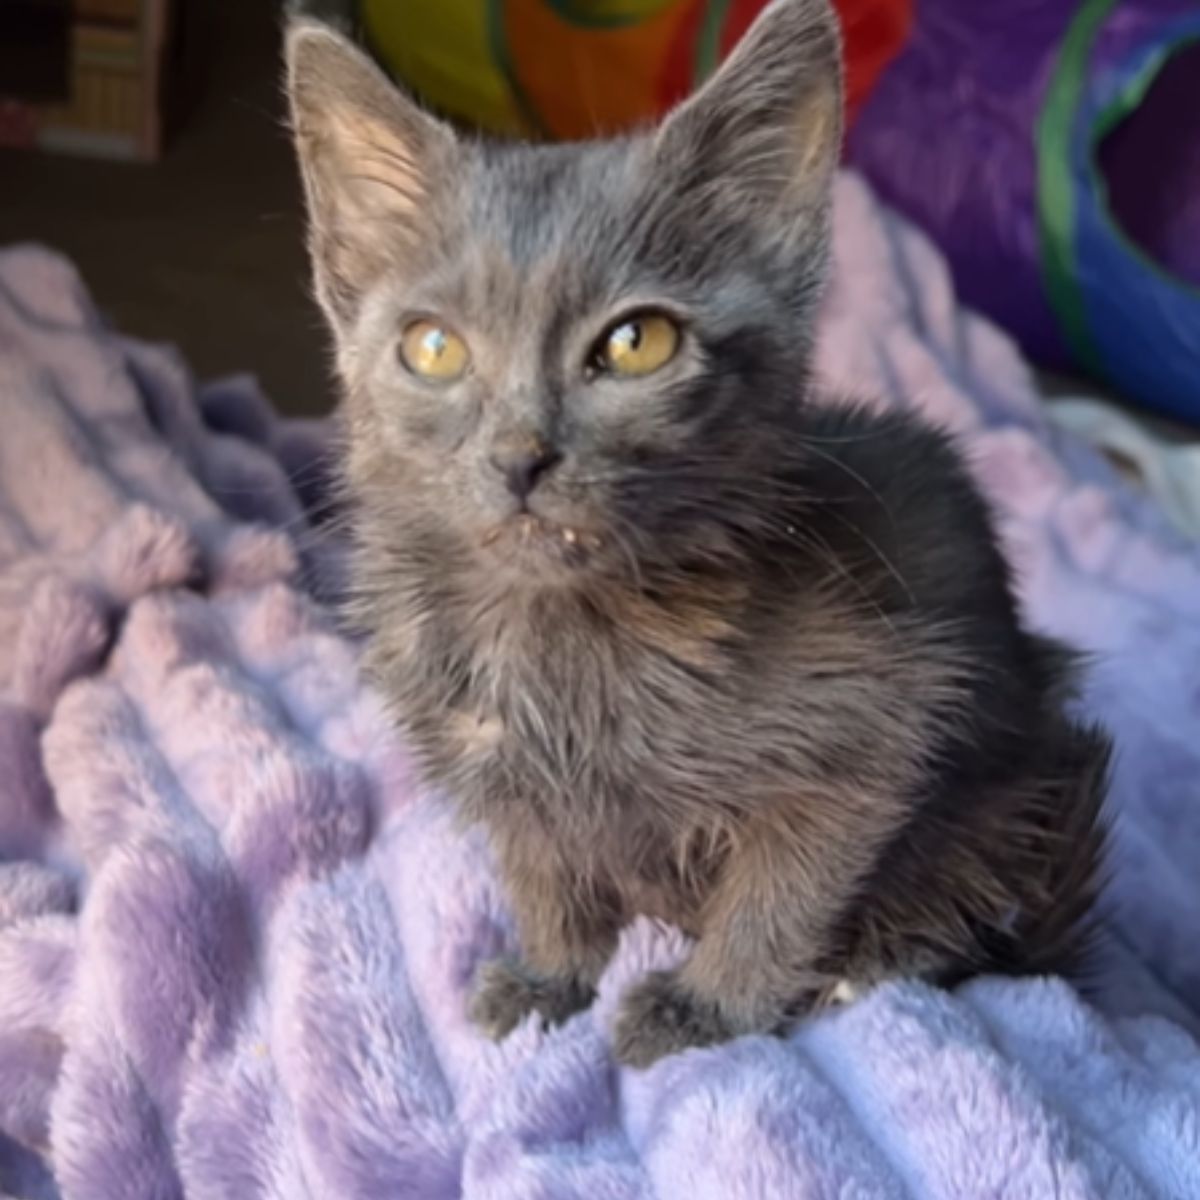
527	533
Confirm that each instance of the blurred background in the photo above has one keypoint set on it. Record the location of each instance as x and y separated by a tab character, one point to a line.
146	140
1051	148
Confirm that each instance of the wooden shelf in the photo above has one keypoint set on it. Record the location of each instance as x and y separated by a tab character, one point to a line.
116	51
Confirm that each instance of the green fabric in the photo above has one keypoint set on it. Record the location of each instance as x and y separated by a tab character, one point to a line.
503	60
606	14
708	41
1055	185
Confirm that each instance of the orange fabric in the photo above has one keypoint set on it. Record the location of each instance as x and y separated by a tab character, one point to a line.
582	81
576	68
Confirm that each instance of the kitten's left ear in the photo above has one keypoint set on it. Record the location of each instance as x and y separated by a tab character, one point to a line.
763	135
374	165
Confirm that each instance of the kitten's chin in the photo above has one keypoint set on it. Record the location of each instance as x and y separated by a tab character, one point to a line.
535	550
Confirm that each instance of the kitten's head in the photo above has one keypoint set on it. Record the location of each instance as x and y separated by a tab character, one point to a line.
560	360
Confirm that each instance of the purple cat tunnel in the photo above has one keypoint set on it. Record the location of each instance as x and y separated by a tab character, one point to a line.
1052	149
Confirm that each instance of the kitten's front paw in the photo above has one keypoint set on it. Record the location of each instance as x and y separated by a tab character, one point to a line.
506	992
659	1017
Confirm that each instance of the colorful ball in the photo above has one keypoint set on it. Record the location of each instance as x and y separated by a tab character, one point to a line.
567	69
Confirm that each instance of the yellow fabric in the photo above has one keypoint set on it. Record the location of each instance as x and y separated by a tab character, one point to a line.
559	68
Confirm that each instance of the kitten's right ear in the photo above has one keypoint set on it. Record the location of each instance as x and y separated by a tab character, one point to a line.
761	138
372	163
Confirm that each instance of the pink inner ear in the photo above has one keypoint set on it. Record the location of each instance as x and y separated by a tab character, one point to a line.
372	167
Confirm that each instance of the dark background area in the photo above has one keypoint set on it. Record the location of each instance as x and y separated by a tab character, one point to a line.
205	248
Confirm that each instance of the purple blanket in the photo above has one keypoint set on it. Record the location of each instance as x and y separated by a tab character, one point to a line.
235	939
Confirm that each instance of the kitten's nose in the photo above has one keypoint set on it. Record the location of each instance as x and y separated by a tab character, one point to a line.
522	462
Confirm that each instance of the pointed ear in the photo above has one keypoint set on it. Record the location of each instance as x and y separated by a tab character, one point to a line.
763	135
372	163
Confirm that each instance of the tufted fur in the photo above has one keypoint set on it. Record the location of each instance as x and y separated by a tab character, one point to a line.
747	661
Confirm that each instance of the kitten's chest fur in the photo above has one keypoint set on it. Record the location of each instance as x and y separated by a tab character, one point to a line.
632	731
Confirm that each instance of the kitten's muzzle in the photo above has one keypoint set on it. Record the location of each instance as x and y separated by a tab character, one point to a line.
523	462
519	536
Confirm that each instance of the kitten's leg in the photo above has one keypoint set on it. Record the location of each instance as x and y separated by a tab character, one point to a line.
763	933
568	928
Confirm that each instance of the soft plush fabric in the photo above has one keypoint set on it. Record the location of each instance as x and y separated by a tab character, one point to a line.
1165	465
236	939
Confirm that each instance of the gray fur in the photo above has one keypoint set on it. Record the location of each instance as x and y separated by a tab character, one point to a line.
745	662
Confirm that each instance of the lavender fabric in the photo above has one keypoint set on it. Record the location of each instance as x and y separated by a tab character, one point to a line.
236	938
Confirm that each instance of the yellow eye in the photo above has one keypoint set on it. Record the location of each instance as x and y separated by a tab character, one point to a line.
638	345
434	352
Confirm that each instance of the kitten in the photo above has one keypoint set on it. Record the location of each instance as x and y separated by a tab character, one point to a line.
689	642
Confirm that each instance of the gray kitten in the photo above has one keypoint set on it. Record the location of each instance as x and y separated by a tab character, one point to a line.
689	642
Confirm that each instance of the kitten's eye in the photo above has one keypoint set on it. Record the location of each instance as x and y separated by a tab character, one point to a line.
637	346
434	352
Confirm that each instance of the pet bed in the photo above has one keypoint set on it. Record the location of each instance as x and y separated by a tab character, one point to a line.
236	938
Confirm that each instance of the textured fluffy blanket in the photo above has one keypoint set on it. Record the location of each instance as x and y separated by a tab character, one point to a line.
235	940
